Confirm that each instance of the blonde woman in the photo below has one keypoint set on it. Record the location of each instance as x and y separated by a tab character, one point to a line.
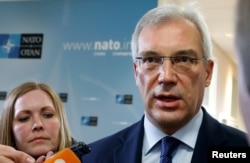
33	121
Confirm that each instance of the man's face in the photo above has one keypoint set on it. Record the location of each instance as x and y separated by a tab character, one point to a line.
172	95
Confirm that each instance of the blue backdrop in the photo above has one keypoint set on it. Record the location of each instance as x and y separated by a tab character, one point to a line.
82	49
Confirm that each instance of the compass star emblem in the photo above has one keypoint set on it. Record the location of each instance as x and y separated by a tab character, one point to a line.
8	46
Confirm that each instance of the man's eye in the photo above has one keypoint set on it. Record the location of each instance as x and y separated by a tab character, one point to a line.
181	59
151	59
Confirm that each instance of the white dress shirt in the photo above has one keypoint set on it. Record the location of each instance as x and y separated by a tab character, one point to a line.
187	135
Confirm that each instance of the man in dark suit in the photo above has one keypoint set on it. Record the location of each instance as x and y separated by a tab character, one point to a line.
172	54
126	145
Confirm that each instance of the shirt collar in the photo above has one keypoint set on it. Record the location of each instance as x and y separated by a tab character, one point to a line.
187	134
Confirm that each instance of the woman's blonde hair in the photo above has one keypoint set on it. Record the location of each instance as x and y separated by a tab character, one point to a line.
6	119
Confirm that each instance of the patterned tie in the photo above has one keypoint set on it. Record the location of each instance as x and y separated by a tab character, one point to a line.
168	145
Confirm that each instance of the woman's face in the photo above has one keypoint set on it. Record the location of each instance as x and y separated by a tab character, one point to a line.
36	124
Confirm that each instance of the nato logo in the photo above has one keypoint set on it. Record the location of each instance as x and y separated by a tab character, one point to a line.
63	97
21	46
89	120
124	99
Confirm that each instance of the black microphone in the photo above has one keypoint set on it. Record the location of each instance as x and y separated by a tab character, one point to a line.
70	155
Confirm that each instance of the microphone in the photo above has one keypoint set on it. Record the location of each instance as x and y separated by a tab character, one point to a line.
70	155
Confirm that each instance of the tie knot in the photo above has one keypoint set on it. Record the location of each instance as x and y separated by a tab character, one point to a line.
168	145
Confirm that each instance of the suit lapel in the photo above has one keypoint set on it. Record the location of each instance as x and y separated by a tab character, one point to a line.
210	135
130	149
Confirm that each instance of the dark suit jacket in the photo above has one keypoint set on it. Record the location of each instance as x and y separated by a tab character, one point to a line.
126	146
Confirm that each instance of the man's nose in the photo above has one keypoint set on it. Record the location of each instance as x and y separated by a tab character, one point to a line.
167	74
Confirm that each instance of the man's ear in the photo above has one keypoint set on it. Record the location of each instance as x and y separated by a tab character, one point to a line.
209	71
135	66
